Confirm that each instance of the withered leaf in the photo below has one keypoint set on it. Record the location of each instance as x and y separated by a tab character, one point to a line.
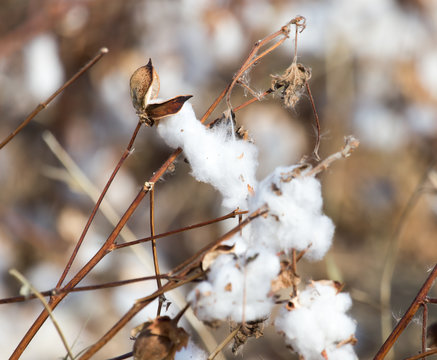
170	107
214	253
247	330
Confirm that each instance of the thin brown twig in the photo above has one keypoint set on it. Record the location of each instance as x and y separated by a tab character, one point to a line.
173	232
182	269
86	288
55	300
351	143
294	270
259	212
423	355
152	234
224	343
126	153
257	98
316	119
424	325
252	59
44	104
392	252
419	300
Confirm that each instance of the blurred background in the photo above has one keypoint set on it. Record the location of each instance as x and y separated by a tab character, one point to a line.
374	75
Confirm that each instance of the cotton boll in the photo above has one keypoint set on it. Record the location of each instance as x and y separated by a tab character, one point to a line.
345	352
215	157
295	219
301	332
237	287
318	321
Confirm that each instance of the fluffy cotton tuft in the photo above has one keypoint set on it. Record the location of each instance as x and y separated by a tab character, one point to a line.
295	219
237	287
215	156
318	322
191	352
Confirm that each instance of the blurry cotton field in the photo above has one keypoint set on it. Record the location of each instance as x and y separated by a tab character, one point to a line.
323	252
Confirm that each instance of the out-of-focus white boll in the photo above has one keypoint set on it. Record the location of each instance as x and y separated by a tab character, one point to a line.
318	322
215	156
295	219
236	286
191	352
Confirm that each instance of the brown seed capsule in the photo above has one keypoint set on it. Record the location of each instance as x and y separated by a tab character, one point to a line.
144	86
159	339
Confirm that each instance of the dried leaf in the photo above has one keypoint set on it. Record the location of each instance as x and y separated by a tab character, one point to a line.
247	330
170	107
214	253
286	278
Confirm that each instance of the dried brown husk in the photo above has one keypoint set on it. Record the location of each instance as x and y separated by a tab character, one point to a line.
159	339
292	82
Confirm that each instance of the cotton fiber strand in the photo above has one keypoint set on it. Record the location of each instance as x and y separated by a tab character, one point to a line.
215	156
295	219
237	285
318	322
191	352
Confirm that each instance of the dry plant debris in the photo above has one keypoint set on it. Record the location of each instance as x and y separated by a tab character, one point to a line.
144	89
159	339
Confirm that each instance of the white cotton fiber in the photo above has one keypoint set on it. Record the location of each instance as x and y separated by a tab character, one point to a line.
237	287
215	156
318	322
191	352
295	219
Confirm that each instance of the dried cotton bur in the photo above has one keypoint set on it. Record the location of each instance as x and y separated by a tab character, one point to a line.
292	82
159	339
144	89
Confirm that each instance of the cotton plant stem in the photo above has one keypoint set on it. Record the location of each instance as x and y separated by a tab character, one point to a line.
419	300
176	296
351	143
55	145
55	300
154	251
424	325
41	298
390	259
423	355
44	104
232	214
185	269
316	119
228	338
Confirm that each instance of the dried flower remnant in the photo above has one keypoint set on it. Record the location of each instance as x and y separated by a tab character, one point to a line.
247	330
292	82
159	339
144	89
